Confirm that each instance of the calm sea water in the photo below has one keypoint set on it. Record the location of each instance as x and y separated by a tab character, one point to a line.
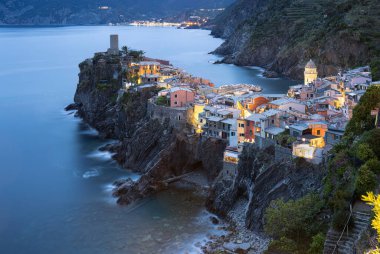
55	187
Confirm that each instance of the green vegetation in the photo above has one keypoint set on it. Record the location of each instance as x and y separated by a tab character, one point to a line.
292	223
365	181
284	139
362	119
308	29
353	170
354	167
137	55
162	101
102	86
317	244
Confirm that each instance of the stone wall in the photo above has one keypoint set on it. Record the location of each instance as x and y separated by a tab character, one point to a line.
282	153
177	116
263	143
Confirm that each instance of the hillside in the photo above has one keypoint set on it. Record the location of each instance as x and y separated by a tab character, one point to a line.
283	35
84	12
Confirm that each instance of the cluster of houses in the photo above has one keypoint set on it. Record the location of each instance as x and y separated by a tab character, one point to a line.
308	120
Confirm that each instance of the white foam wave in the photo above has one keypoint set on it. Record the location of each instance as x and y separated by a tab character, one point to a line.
90	173
102	155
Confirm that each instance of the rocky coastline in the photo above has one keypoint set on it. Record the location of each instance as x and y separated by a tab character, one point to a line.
163	153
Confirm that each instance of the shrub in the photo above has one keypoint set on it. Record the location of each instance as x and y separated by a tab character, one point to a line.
364	152
372	138
340	218
366	180
317	244
373	165
162	101
292	219
102	86
283	245
362	119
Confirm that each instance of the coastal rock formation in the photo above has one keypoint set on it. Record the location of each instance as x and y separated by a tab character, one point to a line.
260	180
282	36
148	145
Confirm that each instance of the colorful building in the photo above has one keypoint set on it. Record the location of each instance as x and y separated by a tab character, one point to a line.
310	73
181	97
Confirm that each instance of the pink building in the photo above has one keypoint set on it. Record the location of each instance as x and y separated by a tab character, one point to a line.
180	97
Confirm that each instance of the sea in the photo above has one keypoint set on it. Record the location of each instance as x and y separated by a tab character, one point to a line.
55	185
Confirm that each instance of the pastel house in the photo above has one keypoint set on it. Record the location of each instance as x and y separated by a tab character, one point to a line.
181	97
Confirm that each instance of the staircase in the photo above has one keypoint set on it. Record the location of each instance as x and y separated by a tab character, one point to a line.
344	242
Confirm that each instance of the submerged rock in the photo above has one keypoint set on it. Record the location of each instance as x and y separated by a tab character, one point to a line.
71	107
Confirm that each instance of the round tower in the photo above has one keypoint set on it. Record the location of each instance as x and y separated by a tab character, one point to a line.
310	73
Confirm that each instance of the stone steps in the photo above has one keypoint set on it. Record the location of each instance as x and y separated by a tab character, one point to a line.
347	242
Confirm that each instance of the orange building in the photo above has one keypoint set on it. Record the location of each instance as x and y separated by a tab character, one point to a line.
252	103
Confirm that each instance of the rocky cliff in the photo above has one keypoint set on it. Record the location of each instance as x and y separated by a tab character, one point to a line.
260	180
283	35
151	146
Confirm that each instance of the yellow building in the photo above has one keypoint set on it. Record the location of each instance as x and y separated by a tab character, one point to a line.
194	118
145	69
310	73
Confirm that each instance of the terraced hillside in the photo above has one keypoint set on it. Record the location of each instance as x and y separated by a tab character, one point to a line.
283	35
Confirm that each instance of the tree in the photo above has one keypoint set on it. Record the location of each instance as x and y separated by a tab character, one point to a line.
162	101
373	165
124	49
362	119
317	244
364	152
283	245
366	180
292	219
138	55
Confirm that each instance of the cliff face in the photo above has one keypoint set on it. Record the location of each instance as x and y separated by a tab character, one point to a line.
260	180
149	145
283	35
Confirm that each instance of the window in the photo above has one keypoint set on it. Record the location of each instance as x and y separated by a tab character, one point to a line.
175	103
242	125
175	96
250	132
247	123
179	118
272	121
232	134
290	108
241	135
318	132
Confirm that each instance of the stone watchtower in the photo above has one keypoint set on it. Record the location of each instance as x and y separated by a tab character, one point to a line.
310	73
114	45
